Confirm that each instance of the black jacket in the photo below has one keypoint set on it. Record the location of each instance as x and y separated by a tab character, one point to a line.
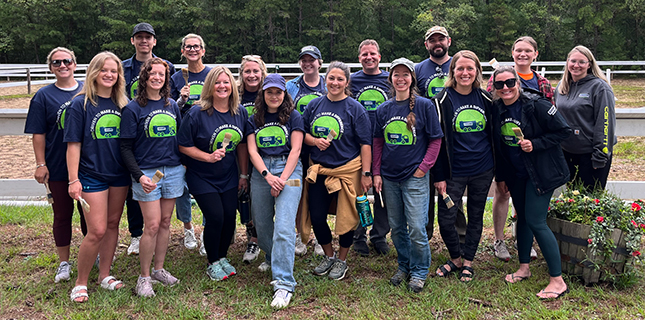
546	128
442	170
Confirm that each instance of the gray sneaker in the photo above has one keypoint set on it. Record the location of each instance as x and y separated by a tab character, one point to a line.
252	252
301	248
190	241
144	287
164	277
227	267
416	285
318	250
501	252
398	277
324	266
134	245
215	272
202	248
338	270
264	266
63	272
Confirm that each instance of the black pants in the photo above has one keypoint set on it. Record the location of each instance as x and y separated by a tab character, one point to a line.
582	170
219	210
478	187
319	201
381	226
135	217
460	222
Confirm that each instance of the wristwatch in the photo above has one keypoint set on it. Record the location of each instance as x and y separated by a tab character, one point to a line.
367	174
264	173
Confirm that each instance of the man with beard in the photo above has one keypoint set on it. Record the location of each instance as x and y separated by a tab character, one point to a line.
143	39
431	78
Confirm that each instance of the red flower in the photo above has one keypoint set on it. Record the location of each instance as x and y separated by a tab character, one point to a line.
642	225
634	223
549	209
589	241
636	253
636	206
600	219
571	200
596	201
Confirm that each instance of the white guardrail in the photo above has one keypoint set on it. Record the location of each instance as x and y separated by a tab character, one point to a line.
41	72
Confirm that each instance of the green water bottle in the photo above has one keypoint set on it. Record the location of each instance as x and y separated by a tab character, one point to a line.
364	211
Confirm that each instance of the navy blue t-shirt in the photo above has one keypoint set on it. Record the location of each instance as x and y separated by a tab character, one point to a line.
46	115
431	77
196	82
205	132
247	100
98	129
472	151
510	145
307	93
131	74
370	91
350	121
531	83
154	128
274	139
404	150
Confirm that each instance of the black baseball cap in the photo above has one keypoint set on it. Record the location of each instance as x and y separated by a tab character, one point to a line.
310	50
143	27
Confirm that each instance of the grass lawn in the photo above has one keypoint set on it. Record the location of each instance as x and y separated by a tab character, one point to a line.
28	264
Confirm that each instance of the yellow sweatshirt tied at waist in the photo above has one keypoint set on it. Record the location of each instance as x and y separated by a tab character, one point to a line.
347	180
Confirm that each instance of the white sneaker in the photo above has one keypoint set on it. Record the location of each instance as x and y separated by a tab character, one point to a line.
501	252
63	272
264	267
134	245
190	242
252	252
318	250
202	249
301	248
281	298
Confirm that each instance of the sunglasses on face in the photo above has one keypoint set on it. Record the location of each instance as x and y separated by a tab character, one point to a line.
510	83
195	47
57	63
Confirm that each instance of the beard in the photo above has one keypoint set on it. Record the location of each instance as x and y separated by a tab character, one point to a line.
438	53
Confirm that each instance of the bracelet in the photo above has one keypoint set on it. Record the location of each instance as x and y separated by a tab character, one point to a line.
41	165
72	182
244	176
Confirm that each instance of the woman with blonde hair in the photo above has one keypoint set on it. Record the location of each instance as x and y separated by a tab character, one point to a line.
587	103
96	171
186	94
45	121
465	160
212	136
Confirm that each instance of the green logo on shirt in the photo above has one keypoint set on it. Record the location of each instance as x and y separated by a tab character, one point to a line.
508	136
302	102
324	123
469	120
396	132
108	126
371	98
161	125
195	93
219	134
271	135
436	85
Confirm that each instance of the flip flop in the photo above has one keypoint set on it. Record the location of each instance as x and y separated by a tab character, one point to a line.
105	283
76	293
516	279
558	295
445	272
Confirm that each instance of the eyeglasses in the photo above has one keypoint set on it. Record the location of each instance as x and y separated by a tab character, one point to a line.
578	62
252	57
57	63
510	83
196	47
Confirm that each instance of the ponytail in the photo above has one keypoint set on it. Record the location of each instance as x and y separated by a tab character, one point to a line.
411	118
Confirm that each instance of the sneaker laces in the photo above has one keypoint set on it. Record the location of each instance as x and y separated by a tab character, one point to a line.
252	247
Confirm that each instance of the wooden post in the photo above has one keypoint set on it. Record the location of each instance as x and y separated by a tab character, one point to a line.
28	81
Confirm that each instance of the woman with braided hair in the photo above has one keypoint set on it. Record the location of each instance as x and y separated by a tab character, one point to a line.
407	137
465	160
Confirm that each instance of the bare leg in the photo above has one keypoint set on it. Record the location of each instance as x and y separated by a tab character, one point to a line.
522	272
329	250
342	253
63	253
151	211
556	285
115	201
500	212
163	236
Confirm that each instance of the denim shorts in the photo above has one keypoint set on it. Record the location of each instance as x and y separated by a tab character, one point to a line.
171	186
93	184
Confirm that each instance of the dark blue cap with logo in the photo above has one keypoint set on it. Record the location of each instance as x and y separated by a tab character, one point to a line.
274	80
310	50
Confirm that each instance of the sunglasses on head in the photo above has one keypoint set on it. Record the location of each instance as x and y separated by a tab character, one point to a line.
510	83
57	63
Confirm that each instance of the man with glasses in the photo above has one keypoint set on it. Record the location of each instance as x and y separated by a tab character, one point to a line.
432	74
143	39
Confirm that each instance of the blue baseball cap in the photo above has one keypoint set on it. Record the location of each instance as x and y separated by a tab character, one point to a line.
310	50
274	80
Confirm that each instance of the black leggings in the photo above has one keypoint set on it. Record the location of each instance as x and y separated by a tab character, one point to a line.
319	201
63	207
219	210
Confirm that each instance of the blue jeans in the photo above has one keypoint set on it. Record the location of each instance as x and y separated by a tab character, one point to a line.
277	239
407	211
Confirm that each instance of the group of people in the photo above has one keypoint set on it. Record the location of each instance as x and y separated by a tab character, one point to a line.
305	148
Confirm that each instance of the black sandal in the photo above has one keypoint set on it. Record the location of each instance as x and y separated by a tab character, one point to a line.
466	277
445	272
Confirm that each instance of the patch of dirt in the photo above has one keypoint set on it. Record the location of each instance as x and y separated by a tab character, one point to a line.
16	157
